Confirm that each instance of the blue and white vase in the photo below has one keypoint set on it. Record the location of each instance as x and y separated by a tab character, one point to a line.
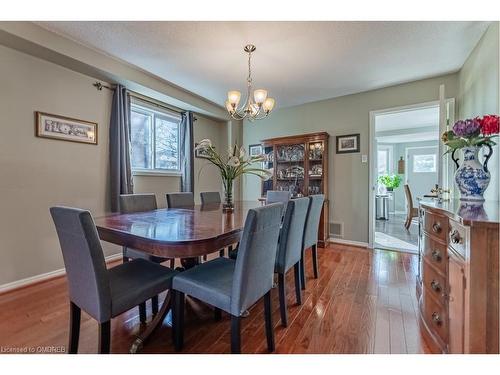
472	178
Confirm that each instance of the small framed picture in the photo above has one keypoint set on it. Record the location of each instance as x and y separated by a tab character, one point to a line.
200	152
65	128
255	150
347	143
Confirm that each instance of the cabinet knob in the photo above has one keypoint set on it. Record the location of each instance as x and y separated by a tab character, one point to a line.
436	318
435	286
436	255
455	237
436	227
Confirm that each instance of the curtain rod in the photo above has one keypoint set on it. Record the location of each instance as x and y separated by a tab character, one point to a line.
99	86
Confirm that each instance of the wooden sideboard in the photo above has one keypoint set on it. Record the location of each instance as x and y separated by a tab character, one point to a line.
457	282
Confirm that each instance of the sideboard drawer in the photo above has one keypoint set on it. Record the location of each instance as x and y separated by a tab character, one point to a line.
435	315
436	225
457	237
434	282
435	253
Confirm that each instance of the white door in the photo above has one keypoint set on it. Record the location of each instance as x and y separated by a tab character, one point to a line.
422	170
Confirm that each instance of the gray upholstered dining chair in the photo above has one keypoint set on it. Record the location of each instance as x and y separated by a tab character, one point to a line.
311	235
290	250
273	196
212	197
235	285
101	293
208	197
177	200
130	203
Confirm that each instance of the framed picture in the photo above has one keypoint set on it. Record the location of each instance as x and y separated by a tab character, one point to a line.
347	143
200	153
65	128
255	150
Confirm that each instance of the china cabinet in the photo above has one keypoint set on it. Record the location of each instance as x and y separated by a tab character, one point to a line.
299	164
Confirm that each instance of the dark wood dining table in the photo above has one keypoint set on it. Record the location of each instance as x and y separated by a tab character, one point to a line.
186	233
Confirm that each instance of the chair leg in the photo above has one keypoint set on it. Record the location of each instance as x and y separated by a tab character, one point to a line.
302	271
269	322
314	251
154	305
178	320
104	337
235	335
205	257
282	298
142	312
298	292
172	263
221	253
217	314
74	328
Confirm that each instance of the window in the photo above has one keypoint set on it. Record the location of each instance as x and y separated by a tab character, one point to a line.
384	158
154	136
424	163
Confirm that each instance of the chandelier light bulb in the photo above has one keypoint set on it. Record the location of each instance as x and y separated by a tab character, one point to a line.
234	97
260	96
229	107
268	104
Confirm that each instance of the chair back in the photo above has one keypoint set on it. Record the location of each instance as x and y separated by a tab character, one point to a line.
292	232
208	197
409	198
312	221
130	203
175	200
84	261
274	196
254	269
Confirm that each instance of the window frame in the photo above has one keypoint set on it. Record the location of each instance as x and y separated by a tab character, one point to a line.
147	109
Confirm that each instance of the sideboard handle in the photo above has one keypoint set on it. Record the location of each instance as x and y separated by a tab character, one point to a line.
436	255
436	227
436	318
435	286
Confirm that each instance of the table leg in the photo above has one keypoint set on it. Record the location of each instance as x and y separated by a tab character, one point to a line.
139	342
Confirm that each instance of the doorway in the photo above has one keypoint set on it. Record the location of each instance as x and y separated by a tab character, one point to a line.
405	150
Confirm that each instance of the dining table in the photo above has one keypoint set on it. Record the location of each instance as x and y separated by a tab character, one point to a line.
186	233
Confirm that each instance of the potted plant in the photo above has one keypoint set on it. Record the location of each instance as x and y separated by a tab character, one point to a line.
472	177
231	165
390	181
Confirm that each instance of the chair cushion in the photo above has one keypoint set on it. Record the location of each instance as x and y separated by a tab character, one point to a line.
137	281
210	282
137	254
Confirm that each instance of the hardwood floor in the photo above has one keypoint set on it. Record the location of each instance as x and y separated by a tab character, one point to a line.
363	302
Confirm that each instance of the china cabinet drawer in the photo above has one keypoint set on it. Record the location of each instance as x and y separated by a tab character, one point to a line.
434	282
435	225
457	238
435	253
435	315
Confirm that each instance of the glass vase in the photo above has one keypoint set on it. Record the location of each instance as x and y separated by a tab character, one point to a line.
228	204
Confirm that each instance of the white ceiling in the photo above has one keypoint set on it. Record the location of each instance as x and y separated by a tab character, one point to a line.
410	119
297	62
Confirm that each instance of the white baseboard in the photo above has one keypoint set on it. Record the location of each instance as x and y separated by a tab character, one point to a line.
44	276
348	242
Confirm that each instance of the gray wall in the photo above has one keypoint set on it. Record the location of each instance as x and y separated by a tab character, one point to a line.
37	173
478	92
348	177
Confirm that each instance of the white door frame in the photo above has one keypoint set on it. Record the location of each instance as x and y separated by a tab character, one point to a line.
373	153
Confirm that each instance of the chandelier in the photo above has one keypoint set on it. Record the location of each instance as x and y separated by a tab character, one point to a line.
256	107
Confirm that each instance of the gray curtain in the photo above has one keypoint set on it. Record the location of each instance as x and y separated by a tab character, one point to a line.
119	147
186	154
